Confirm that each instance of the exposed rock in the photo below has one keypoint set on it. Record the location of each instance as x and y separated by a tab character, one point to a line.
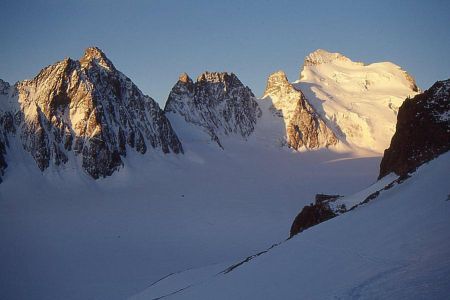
422	132
217	102
7	126
90	108
311	215
304	127
4	87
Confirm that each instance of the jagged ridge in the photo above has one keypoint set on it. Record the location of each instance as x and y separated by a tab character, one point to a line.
217	102
92	109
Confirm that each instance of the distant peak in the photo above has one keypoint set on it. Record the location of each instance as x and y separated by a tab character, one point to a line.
215	77
184	78
321	56
279	75
276	81
3	83
95	54
4	86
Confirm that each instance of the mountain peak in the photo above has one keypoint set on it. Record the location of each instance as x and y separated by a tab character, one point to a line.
321	56
280	75
95	54
217	104
90	109
216	77
4	86
184	78
275	81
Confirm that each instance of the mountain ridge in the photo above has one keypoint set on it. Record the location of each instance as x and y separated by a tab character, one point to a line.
359	102
89	108
217	103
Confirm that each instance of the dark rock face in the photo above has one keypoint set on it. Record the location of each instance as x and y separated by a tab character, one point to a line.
304	127
217	102
422	133
90	108
314	214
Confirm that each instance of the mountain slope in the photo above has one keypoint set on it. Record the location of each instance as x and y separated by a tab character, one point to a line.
359	102
66	236
376	251
217	103
88	109
304	127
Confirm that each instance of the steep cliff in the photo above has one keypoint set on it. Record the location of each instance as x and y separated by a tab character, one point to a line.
304	126
422	133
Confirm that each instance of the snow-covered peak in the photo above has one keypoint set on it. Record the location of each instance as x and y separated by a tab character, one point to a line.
359	101
321	56
95	55
217	103
282	93
90	109
276	80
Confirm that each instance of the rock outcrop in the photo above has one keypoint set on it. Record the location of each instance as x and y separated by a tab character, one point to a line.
422	132
316	213
91	109
304	126
218	103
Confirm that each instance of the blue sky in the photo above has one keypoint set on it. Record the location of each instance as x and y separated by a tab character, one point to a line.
152	42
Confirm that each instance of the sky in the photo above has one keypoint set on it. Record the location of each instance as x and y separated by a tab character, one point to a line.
152	42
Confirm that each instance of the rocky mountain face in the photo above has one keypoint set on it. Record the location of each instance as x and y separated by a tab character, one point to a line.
88	108
305	128
422	133
6	123
314	214
359	102
218	103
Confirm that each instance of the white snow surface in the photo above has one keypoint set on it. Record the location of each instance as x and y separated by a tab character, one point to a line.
67	236
360	102
395	247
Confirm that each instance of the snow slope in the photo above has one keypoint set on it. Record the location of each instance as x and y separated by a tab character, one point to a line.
360	102
67	236
395	247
